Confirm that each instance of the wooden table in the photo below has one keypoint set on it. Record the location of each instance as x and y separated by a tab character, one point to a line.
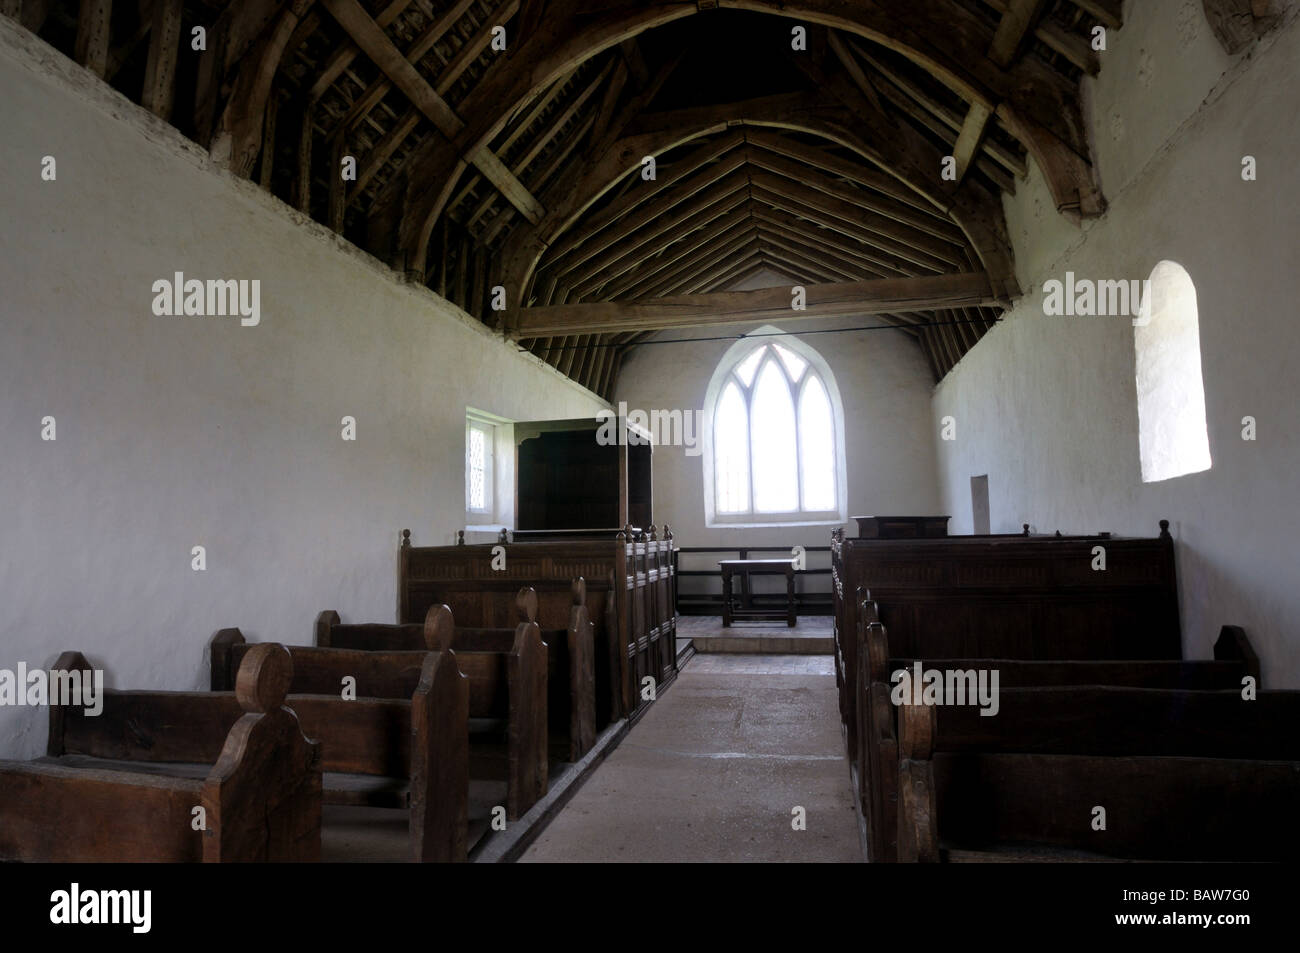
749	567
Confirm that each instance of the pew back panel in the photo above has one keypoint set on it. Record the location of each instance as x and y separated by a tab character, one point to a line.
259	785
408	721
629	598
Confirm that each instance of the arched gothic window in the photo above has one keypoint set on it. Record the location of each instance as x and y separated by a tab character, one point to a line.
774	436
1170	390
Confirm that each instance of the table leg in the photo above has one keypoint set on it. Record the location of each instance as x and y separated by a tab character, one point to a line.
789	597
726	598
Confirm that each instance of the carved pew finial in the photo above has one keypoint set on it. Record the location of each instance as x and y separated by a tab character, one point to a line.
1164	529
1026	528
918	726
324	623
460	537
526	603
264	677
406	539
653	533
439	628
668	533
501	536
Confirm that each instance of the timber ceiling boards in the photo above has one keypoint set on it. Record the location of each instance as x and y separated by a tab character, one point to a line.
474	167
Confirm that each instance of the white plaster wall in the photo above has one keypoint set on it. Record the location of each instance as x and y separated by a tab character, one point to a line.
1047	405
175	432
884	382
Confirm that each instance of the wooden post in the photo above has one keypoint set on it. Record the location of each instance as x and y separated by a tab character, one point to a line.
304	158
268	140
338	188
164	45
93	29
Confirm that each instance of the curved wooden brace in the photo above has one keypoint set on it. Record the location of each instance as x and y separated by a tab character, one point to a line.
237	138
1037	104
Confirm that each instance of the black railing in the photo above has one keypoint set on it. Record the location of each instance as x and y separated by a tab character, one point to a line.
807	602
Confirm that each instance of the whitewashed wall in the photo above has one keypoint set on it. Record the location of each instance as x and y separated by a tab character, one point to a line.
174	432
1047	405
884	381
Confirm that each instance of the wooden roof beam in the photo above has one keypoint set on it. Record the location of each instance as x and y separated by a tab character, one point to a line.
743	240
542	141
620	209
928	224
969	139
901	240
846	268
1014	30
741	272
827	238
712	274
873	248
680	271
1108	12
855	171
651	222
953	119
1072	46
878	296
539	179
348	51
375	43
676	249
717	220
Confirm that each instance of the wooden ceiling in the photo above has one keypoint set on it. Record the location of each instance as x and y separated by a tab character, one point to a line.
523	169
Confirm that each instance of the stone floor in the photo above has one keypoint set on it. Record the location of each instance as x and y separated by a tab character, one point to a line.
714	771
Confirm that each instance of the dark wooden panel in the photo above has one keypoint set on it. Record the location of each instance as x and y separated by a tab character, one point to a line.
1208	809
621	577
56	813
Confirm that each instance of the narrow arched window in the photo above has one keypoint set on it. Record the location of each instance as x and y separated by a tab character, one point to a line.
1170	390
774	435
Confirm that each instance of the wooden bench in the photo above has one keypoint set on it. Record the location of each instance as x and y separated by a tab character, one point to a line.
111	787
877	734
571	684
507	672
1194	776
629	582
402	742
1027	597
750	567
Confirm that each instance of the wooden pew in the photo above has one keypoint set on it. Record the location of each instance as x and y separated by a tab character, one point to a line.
507	672
571	685
630	599
878	758
1028	597
115	786
401	743
1217	783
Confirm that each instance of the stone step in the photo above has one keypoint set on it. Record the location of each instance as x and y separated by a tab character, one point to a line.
763	643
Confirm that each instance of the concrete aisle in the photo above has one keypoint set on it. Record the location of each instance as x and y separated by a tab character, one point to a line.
714	769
